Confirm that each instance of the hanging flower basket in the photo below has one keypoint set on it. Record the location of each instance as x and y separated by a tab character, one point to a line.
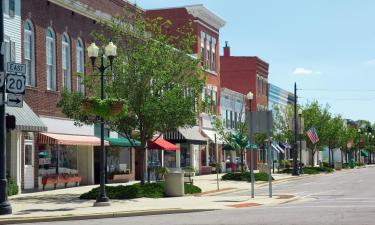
87	106
116	107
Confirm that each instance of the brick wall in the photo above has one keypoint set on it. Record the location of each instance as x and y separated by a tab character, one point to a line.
240	74
44	14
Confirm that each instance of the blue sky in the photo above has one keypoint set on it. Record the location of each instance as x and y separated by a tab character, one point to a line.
320	44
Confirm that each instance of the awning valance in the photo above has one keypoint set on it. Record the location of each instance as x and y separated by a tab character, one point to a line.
66	139
162	144
277	148
211	135
26	119
190	135
123	142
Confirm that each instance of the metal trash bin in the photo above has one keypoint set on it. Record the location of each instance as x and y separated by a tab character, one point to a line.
174	183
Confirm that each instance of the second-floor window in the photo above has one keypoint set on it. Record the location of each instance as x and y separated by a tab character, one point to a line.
208	49
213	60
12	8
80	66
65	51
51	59
203	35
29	56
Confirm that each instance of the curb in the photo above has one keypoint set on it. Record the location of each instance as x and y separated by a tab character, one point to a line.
98	215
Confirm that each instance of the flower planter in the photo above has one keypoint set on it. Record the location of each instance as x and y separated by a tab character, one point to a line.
61	179
120	177
116	108
87	106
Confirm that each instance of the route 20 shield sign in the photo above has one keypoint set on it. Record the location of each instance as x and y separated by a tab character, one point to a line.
15	84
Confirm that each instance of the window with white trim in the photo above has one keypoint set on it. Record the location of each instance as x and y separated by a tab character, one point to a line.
29	56
208	49
65	51
213	59
80	66
12	8
202	47
51	59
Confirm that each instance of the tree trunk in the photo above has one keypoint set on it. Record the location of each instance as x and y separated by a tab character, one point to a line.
329	156
312	157
242	161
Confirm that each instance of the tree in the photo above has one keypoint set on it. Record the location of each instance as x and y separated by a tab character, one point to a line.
318	117
159	83
237	139
334	132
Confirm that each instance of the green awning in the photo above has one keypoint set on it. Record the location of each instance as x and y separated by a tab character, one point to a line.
26	119
123	142
364	153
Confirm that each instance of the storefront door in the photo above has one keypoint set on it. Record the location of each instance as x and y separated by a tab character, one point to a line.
29	164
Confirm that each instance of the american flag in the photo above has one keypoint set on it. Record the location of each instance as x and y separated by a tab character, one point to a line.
313	135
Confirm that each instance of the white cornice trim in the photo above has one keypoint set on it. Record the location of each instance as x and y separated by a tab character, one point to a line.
206	15
204	25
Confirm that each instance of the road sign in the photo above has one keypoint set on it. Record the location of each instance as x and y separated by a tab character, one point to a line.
15	83
2	79
14	100
16	68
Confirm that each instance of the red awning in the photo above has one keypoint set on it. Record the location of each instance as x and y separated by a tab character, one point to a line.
162	145
66	139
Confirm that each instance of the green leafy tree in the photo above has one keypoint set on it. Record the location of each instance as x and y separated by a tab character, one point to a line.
237	139
334	132
315	115
159	83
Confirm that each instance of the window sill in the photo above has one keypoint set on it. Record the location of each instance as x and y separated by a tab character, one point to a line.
211	72
31	88
52	92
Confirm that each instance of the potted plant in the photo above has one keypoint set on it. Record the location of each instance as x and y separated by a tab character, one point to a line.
87	105
189	171
116	106
160	172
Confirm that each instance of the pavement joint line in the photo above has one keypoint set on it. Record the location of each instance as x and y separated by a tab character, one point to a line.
99	215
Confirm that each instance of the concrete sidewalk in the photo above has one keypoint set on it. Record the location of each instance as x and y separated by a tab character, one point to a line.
64	204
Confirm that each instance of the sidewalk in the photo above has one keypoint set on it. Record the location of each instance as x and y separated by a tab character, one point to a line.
64	204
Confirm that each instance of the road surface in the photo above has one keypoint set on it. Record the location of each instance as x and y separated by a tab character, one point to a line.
346	197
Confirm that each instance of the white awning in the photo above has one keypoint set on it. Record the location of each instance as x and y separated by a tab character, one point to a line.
277	148
211	135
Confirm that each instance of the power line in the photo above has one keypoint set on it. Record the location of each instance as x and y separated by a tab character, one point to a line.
338	90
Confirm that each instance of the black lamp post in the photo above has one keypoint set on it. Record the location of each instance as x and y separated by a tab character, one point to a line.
250	97
295	171
109	51
300	140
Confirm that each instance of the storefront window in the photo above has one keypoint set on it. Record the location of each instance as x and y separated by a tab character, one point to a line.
170	159
119	160
29	155
154	158
185	155
212	151
48	159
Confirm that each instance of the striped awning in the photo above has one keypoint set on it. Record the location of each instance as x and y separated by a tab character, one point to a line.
190	135
26	119
67	139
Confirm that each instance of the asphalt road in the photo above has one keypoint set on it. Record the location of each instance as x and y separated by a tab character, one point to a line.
341	198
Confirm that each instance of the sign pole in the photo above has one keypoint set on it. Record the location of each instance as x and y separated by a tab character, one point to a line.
5	207
269	140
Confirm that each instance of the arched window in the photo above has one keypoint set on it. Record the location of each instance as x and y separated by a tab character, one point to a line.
51	59
80	66
65	51
29	55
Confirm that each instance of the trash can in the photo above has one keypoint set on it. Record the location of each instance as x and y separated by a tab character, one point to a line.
174	183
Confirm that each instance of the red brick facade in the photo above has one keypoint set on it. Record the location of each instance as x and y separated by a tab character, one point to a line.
244	74
44	14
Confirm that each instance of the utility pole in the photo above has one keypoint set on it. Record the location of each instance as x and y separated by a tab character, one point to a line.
5	207
295	149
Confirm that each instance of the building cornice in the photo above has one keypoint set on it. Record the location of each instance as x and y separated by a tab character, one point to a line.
204	14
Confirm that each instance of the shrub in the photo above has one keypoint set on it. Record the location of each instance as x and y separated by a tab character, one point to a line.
345	166
311	170
148	190
245	176
285	163
12	187
191	189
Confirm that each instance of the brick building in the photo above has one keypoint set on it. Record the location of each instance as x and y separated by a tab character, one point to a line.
206	27
244	74
55	36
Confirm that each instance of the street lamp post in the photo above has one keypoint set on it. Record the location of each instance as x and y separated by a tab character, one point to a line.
300	140
93	52
358	158
295	152
250	97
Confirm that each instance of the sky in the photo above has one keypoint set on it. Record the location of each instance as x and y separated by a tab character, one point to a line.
326	47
